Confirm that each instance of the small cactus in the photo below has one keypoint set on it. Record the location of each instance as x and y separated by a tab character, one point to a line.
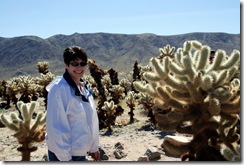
130	101
110	110
28	130
42	67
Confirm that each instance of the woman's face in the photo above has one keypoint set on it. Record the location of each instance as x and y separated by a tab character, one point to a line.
76	69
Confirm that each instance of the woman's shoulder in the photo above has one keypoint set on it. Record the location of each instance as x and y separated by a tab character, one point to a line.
57	83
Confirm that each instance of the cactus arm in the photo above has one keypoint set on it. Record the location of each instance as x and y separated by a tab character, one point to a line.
196	44
185	96
10	125
150	76
36	122
232	60
219	58
176	69
175	83
203	60
159	69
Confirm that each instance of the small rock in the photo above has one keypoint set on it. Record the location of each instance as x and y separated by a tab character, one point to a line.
154	153
119	146
103	153
143	159
119	154
45	157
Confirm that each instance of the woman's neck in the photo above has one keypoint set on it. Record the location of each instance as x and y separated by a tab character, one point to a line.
75	79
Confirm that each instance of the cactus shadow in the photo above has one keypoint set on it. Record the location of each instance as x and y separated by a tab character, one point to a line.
107	133
147	127
159	133
162	134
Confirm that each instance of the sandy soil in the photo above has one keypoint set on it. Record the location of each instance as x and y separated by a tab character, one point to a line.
136	138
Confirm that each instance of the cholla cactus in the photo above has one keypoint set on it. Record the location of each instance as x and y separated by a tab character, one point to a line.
136	71
166	51
45	79
12	91
230	155
28	130
90	81
110	110
42	82
148	105
42	67
131	101
27	87
126	84
106	81
117	92
113	76
195	97
3	95
2	87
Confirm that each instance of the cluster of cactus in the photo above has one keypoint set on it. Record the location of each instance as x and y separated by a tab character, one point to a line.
28	129
147	102
193	96
108	91
108	87
116	92
27	88
189	91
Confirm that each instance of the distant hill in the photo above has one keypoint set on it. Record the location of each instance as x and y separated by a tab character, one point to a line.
19	55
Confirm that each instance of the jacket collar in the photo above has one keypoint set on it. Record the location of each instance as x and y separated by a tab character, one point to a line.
73	85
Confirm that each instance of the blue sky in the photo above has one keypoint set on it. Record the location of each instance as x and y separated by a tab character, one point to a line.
45	18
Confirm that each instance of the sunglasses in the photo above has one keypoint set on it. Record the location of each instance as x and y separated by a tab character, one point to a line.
75	64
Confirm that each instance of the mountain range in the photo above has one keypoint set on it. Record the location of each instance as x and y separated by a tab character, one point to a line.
19	55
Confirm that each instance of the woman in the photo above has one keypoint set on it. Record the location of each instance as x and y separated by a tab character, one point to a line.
71	122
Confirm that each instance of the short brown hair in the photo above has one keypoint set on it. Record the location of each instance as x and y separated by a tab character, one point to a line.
73	53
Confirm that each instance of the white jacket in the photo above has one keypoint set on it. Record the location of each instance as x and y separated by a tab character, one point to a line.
71	123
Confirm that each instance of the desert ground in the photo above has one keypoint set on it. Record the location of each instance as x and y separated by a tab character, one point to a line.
136	138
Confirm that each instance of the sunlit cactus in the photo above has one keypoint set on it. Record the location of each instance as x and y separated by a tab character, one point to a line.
126	84
147	102
27	87
106	81
45	79
196	97
27	130
89	80
230	155
110	109
42	67
117	92
166	51
12	91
